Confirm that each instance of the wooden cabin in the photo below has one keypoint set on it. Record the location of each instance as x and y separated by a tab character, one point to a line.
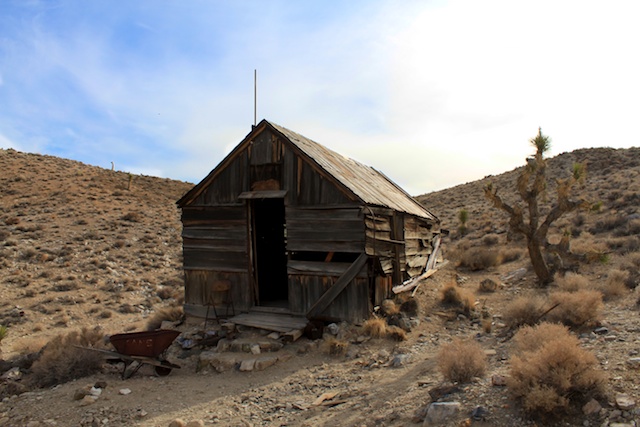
286	224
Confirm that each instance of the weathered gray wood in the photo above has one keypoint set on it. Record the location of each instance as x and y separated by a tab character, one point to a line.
271	322
323	302
321	268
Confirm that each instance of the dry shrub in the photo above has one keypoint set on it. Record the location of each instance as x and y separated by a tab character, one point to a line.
396	333
571	282
476	259
525	310
61	361
375	327
165	293
551	372
132	216
608	223
488	285
575	309
170	314
461	361
410	307
337	347
615	285
531	338
511	255
388	307
453	295
490	240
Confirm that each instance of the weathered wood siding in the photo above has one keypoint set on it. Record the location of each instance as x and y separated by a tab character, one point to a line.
306	287
215	248
199	287
418	236
385	239
325	229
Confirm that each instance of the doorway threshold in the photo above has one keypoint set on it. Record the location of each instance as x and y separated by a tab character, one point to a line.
270	309
278	322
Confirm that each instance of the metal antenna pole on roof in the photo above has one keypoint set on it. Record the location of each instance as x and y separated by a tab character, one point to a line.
255	97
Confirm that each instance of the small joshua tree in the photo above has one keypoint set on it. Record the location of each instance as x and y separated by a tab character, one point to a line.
531	187
463	216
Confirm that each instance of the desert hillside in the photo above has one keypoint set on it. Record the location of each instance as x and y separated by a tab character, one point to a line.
83	246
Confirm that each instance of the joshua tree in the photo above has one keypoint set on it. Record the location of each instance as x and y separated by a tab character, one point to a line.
531	186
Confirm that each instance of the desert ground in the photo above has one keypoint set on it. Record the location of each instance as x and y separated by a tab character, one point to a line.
96	248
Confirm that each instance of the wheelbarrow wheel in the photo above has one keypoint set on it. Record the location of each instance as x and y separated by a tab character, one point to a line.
162	371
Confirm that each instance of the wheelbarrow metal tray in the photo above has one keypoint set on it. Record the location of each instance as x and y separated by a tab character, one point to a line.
144	344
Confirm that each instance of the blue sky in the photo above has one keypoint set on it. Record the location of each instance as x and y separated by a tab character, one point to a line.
432	93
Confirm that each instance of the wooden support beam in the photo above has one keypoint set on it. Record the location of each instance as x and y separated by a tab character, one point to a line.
332	293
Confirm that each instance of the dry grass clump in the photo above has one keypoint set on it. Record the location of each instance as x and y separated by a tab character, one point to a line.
171	314
551	371
388	307
575	309
337	347
476	259
375	327
61	361
453	295
461	361
525	310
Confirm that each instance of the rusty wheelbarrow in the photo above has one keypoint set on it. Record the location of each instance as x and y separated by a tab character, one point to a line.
139	348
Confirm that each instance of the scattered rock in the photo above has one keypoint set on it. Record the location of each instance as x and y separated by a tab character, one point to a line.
177	423
399	360
333	328
255	349
124	391
264	362
634	362
13	374
100	384
479	413
514	276
80	393
439	412
601	330
247	365
625	402
591	407
273	336
88	400
498	380
440	391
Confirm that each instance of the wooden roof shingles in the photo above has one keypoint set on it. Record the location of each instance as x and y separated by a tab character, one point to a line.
368	184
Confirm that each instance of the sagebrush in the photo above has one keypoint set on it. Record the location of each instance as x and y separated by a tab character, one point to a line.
63	359
551	372
461	361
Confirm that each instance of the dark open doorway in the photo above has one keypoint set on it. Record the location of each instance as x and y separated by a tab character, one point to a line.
270	252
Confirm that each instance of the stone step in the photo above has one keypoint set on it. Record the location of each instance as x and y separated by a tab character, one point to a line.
222	362
249	345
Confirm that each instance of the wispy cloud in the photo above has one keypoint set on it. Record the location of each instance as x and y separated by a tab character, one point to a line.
432	93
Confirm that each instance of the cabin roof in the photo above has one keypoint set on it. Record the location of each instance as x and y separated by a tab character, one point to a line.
369	185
